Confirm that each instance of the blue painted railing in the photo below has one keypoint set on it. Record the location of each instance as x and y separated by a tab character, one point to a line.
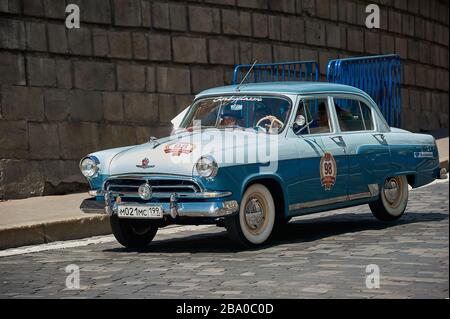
379	76
275	72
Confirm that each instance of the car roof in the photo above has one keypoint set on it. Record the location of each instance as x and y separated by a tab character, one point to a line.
285	87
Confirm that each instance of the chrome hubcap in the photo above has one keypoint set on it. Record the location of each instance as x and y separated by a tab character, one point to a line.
392	190
254	214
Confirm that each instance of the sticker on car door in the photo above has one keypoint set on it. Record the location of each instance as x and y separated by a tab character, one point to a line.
328	171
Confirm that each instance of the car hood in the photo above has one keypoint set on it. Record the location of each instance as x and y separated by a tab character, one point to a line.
177	154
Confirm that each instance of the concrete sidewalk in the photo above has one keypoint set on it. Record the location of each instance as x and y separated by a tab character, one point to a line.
442	145
46	219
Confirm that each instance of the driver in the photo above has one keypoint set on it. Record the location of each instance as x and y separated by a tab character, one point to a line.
228	119
272	124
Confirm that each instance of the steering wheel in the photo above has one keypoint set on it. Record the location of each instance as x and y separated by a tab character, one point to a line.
273	119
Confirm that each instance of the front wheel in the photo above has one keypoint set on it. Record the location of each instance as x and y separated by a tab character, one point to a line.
133	233
254	224
393	199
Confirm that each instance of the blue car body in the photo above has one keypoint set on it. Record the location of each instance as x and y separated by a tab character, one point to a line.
363	160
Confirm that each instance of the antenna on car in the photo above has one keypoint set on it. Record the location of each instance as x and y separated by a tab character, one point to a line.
245	77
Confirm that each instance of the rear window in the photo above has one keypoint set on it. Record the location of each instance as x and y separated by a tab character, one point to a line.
353	115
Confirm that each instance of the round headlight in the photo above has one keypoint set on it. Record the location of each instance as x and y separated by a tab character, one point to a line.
88	167
207	166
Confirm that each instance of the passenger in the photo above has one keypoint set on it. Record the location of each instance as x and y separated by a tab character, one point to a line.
323	116
322	123
343	116
228	119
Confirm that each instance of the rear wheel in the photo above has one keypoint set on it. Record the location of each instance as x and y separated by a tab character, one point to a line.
133	233
393	199
254	224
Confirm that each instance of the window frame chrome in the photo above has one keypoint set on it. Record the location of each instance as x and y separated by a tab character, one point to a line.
331	119
354	97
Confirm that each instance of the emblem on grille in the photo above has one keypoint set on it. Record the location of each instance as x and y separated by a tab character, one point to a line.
145	191
144	164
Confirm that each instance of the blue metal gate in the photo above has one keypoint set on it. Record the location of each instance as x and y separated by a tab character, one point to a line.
379	76
275	72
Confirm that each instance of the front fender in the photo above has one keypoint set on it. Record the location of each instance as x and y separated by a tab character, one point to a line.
104	158
237	178
254	178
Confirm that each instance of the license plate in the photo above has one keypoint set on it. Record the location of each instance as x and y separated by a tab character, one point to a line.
148	212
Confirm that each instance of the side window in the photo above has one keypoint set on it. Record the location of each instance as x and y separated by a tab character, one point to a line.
312	117
353	115
367	116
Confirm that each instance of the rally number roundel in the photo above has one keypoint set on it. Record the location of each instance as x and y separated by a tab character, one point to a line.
328	171
176	149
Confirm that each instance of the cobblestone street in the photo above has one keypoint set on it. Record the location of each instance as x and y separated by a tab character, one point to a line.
318	256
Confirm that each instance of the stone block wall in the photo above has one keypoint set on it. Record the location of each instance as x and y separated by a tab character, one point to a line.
134	64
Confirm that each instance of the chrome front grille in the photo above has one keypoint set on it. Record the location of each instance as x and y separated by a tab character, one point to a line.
160	187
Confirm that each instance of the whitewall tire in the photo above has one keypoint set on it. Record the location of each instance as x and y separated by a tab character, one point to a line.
393	199
256	219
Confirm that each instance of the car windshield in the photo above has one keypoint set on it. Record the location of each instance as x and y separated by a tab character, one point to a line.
261	113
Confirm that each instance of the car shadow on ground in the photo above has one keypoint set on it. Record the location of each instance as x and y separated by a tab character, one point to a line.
297	231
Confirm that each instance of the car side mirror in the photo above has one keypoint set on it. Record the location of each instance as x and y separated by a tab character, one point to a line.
300	120
299	124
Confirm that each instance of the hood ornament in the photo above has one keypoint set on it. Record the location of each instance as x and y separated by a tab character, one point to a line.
144	164
153	140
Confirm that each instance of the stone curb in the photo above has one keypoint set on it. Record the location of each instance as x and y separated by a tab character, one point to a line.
41	233
442	145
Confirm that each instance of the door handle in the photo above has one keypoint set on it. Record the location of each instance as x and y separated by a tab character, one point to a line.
381	136
339	138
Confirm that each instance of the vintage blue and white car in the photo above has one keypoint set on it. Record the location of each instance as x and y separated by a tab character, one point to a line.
250	157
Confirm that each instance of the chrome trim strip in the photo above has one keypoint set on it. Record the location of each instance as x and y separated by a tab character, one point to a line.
360	196
149	177
173	186
320	202
154	187
123	186
329	201
374	189
200	195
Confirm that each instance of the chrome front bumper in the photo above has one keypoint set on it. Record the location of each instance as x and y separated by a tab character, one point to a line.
174	208
199	195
